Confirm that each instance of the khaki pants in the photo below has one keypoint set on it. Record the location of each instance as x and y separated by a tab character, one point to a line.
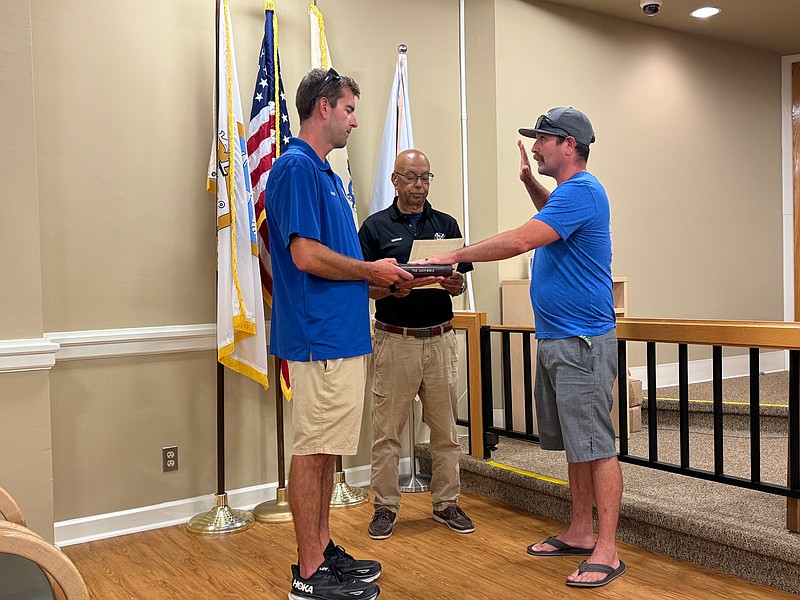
403	367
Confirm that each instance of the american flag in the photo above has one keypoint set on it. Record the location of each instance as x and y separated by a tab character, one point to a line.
268	136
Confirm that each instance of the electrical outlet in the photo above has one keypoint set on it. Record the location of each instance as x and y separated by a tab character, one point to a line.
169	458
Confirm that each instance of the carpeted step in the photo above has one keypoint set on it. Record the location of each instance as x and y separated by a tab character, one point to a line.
773	418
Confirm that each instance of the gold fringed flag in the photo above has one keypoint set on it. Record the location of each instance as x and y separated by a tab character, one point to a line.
268	135
241	330
321	59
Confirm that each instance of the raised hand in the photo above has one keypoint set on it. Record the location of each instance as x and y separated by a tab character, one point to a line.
525	174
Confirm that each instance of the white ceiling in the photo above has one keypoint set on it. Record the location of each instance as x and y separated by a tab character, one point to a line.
771	25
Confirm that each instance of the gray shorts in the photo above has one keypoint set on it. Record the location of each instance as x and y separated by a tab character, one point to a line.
574	382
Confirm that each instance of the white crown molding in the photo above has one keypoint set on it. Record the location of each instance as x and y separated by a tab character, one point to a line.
37	354
134	341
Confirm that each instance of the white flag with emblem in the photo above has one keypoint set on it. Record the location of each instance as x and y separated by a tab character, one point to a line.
241	330
397	136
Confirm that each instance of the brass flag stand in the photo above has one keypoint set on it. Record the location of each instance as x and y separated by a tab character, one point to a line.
344	495
222	518
414	482
278	510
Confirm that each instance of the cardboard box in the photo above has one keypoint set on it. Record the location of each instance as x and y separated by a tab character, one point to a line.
635	419
634	392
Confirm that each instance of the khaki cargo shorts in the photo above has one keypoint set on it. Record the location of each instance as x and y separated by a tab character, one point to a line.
327	404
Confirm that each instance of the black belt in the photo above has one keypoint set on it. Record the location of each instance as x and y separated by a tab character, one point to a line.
422	332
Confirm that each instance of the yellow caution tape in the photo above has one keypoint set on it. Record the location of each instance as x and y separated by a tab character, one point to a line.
724	402
526	473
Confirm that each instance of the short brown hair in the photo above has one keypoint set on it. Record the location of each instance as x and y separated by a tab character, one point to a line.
319	83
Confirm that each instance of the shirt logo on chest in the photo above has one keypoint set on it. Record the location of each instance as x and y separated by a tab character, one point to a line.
438	236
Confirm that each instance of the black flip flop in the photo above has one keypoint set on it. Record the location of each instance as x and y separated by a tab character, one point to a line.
562	549
611	574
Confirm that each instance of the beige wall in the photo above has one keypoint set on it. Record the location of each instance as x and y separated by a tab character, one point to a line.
21	294
688	147
109	109
26	465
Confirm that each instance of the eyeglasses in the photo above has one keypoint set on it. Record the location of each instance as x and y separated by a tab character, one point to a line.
543	120
412	177
331	75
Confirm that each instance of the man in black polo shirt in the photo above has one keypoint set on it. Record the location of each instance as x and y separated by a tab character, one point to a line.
414	350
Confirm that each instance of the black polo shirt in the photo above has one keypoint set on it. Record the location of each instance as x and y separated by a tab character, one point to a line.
389	234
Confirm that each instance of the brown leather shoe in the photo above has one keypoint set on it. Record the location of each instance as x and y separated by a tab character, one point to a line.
455	518
382	524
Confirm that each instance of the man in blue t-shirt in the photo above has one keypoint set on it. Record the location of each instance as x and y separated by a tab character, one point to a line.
575	325
320	325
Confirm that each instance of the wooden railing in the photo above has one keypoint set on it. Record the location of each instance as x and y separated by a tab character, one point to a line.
754	335
471	323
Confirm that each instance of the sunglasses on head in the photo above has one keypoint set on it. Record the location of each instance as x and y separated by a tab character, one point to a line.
330	76
543	120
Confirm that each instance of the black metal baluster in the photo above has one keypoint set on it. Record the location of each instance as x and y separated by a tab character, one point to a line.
508	409
794	420
683	401
716	382
652	431
487	399
622	396
526	368
755	425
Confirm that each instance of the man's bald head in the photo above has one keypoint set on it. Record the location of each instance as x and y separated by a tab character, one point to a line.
411	178
412	155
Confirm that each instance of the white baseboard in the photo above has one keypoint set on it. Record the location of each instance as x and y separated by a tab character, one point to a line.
702	370
146	518
699	371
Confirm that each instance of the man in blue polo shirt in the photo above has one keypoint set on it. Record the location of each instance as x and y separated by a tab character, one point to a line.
575	325
320	325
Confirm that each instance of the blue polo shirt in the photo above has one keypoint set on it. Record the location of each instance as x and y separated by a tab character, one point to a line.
313	318
571	285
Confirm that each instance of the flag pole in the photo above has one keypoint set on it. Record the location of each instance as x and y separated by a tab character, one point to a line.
278	510
342	494
222	518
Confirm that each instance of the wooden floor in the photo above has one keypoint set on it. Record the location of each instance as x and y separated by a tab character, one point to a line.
423	560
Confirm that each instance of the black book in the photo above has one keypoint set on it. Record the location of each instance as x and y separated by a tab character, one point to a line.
428	270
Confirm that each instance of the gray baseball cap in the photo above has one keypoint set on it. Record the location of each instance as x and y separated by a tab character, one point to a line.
563	121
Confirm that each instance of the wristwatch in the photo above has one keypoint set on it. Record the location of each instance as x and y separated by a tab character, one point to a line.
462	290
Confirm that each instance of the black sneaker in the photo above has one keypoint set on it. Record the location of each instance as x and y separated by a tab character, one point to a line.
455	518
382	524
329	583
363	570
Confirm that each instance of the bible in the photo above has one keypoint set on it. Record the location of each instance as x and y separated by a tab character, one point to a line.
428	270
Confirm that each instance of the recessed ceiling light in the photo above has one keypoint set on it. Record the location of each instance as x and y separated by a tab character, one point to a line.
705	12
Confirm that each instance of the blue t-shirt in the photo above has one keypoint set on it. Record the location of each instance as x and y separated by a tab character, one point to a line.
313	318
571	289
